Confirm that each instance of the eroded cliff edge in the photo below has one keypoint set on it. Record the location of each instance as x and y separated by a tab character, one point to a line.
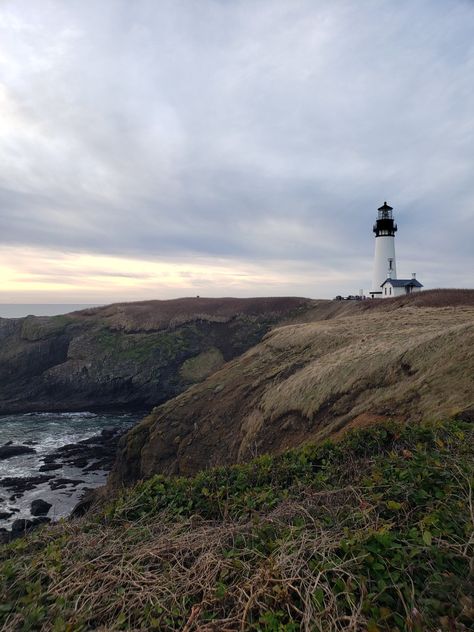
402	358
130	355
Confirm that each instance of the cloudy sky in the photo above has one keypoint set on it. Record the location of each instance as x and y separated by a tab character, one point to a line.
161	148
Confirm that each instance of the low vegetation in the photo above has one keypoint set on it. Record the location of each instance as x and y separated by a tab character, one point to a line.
305	382
372	533
199	367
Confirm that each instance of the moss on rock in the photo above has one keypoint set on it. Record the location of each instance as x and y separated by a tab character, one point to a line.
201	366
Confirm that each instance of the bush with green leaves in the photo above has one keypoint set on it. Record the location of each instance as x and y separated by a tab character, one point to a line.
374	532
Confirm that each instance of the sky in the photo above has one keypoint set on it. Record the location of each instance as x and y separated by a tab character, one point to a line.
165	148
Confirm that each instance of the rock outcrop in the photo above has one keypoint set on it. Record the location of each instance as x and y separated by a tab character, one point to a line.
131	355
40	507
409	358
7	451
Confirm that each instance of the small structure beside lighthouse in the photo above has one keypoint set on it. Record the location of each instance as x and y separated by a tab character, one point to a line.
399	287
384	280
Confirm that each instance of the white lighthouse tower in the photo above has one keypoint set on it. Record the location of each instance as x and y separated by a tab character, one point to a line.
385	266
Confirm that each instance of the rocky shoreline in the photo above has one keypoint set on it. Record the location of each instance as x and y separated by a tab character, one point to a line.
66	470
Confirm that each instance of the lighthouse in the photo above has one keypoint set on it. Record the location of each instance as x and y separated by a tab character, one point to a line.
385	283
384	261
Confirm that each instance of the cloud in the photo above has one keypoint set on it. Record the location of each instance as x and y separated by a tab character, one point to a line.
261	133
35	275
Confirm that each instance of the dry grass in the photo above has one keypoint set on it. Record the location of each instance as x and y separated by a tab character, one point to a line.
159	315
172	567
322	558
308	381
430	298
154	315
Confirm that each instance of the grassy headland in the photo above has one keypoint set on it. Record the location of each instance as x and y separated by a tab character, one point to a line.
130	355
373	532
307	381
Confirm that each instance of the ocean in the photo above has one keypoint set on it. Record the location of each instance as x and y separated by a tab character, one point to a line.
19	310
45	432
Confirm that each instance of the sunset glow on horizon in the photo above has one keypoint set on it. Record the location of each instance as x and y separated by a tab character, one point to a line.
27	275
160	149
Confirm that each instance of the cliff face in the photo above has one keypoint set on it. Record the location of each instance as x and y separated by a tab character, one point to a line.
128	355
399	358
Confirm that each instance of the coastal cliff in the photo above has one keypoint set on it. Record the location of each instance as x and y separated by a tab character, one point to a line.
408	358
372	526
130	355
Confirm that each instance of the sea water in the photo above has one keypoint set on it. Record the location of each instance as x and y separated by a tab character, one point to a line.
45	432
20	310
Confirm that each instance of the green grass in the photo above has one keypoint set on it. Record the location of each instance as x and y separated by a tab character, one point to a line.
372	533
142	347
39	328
198	367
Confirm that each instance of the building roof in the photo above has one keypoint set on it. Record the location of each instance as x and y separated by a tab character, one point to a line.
385	207
402	282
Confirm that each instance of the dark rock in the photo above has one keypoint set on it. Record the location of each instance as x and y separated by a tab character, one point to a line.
7	451
103	464
79	463
92	454
88	499
5	536
20	485
466	415
108	433
40	507
21	526
49	458
5	514
50	467
67	448
61	483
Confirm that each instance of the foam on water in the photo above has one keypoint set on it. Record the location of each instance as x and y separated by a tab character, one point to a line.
45	432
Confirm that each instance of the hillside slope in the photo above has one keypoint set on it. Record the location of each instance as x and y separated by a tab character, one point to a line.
128	355
307	381
373	534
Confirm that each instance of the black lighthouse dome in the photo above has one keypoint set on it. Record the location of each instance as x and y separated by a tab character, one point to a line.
385	224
